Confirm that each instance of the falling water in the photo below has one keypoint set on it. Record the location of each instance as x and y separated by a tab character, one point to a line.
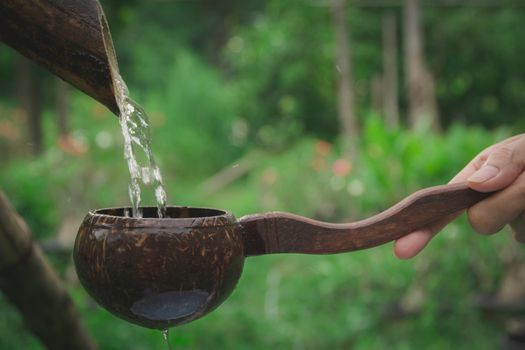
166	336
137	150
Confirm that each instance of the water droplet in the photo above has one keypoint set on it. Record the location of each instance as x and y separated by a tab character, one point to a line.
166	335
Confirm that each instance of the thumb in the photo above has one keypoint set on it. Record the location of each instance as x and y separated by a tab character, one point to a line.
502	167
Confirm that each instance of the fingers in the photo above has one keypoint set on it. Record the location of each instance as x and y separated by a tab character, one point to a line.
498	167
476	163
501	167
492	214
410	245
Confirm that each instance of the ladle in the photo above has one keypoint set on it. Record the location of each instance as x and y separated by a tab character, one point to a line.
164	272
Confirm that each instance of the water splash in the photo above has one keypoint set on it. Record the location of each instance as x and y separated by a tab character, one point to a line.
137	151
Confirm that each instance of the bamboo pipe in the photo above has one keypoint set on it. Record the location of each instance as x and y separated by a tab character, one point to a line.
70	38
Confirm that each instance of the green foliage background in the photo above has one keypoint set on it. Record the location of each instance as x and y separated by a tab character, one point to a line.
222	82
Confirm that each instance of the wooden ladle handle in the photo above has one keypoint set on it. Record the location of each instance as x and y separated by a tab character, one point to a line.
279	232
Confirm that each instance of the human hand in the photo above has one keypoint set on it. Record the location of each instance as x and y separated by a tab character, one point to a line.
499	167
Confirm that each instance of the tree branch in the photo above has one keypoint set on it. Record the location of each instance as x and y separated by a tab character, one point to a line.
31	284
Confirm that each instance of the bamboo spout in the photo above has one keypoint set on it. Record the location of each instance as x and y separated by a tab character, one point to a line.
70	38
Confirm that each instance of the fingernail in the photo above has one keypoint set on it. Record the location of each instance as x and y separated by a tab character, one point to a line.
487	172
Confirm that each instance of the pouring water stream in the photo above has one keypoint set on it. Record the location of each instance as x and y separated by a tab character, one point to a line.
142	167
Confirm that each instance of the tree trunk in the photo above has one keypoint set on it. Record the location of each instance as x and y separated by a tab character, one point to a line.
345	93
29	95
30	283
390	81
377	93
422	109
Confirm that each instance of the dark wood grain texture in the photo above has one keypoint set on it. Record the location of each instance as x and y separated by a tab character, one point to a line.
70	38
279	232
159	273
